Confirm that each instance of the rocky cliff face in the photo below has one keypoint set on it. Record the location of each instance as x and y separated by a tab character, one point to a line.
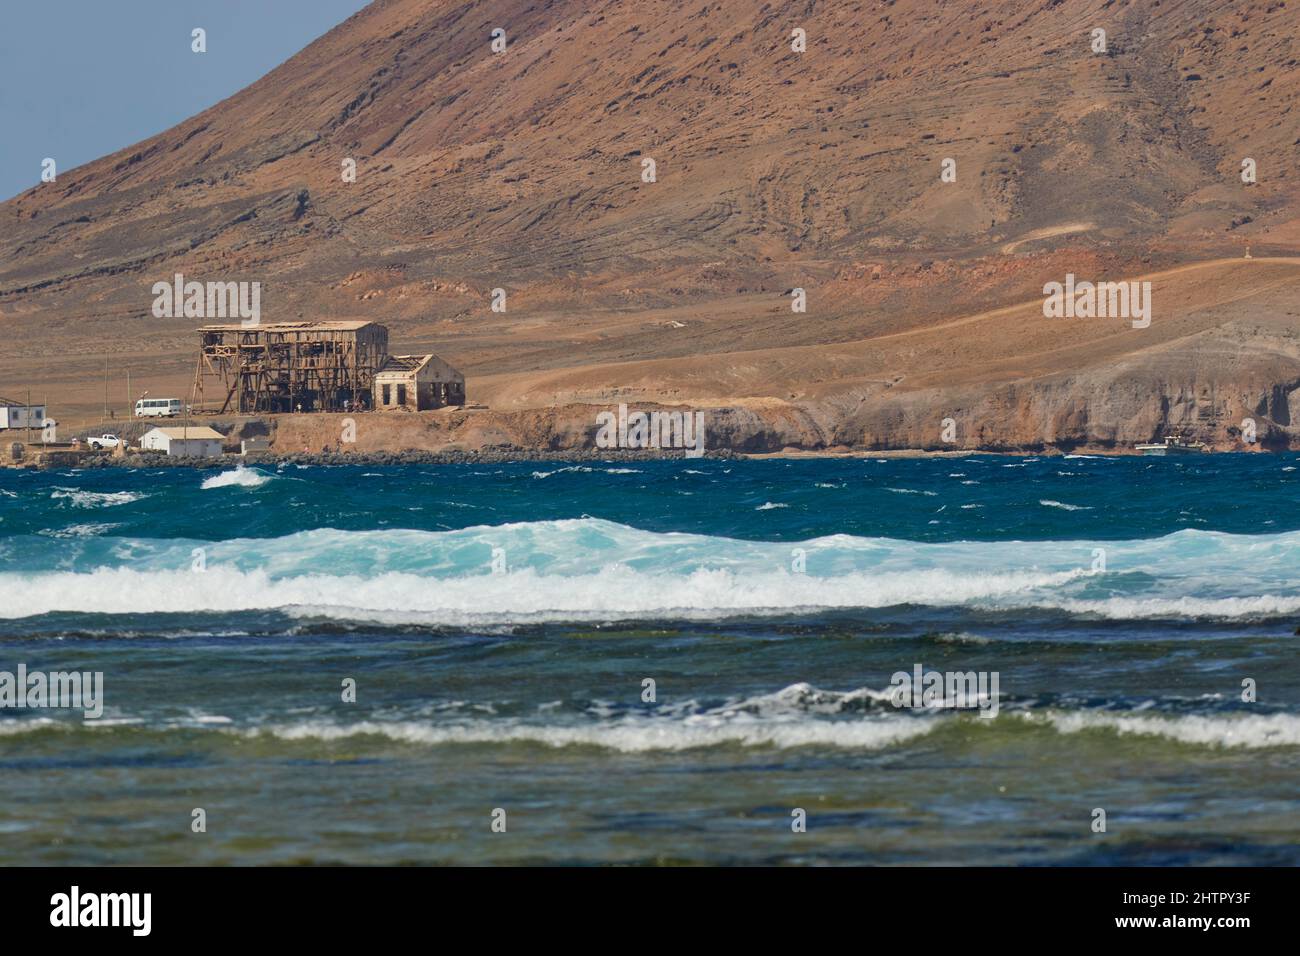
774	170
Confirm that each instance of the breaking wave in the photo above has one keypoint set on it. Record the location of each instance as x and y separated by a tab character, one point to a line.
644	734
240	477
591	569
96	499
1252	732
799	715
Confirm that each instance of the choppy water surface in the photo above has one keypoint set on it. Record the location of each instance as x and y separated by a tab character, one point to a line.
500	622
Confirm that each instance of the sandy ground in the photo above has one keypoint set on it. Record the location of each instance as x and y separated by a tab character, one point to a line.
1199	310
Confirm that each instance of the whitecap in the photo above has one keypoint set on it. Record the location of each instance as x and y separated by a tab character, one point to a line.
241	477
1049	503
1250	732
96	499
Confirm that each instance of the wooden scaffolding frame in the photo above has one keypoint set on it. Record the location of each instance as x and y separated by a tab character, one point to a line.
322	366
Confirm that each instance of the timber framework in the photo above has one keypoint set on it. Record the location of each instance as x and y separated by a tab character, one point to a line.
289	366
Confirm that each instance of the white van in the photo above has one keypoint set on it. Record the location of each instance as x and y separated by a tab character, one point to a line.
158	408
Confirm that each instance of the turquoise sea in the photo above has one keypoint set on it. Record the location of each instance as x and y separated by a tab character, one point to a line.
500	626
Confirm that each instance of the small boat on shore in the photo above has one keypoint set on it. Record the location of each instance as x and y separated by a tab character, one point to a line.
1174	445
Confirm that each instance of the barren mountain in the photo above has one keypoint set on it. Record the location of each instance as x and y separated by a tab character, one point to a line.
774	170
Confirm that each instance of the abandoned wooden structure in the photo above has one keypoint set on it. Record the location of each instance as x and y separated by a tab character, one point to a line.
290	366
417	382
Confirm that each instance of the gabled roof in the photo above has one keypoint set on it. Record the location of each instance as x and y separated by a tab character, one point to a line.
404	363
289	327
430	366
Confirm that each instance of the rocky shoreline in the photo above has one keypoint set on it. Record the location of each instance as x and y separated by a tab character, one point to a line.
500	456
410	457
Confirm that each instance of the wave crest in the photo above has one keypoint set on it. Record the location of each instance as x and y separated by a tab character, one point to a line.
591	569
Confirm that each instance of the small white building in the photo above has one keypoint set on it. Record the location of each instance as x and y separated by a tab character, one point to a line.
20	415
191	442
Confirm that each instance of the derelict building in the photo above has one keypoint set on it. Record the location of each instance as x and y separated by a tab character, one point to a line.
316	367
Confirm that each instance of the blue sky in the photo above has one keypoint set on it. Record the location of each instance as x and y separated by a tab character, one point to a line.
83	78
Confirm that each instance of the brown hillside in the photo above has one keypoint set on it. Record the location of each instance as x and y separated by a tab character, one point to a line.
776	169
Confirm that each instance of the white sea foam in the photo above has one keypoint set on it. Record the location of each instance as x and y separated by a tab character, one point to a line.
1250	731
96	499
615	592
240	477
800	715
567	469
796	716
1049	503
962	637
625	735
591	569
89	529
630	735
1258	607
28	725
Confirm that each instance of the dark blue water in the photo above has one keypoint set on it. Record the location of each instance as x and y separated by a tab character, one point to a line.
500	625
923	499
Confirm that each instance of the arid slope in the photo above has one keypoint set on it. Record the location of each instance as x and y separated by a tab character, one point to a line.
775	170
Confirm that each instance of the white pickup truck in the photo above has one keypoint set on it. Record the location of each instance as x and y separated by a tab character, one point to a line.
103	441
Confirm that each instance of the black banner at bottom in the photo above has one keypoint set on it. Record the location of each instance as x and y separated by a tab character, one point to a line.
335	905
